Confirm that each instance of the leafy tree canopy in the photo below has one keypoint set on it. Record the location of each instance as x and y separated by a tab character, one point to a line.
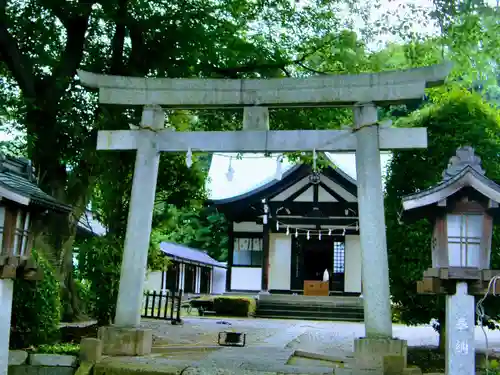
455	118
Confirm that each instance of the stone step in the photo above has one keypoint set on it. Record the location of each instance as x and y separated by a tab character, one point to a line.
333	303
312	312
314	308
319	318
284	306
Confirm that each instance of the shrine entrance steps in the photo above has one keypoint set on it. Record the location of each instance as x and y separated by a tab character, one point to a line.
332	308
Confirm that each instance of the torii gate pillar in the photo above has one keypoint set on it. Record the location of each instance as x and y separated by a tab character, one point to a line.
376	296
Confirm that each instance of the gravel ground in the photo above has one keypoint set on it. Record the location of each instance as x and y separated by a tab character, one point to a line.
270	343
293	334
201	332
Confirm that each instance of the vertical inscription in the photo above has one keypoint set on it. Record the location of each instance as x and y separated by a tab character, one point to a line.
460	309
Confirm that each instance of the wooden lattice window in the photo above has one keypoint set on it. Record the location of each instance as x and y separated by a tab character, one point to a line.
14	227
338	257
247	252
464	239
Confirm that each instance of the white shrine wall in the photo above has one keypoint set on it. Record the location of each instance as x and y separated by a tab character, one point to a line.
352	265
247	227
280	257
153	281
246	278
218	280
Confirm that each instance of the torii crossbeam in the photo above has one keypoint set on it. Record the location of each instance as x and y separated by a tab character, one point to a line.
362	92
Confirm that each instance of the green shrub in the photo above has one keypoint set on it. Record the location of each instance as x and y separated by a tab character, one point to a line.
396	314
205	304
99	260
68	349
36	309
234	306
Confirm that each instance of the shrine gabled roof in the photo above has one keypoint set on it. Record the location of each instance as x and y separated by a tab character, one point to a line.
289	178
18	183
467	177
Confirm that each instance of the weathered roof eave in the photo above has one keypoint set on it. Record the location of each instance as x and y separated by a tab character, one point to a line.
468	177
256	191
289	178
25	200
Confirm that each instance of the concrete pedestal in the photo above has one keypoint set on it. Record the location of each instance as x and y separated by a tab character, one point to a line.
6	291
460	345
375	265
119	341
137	238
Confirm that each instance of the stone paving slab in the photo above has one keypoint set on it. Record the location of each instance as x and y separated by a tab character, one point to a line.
250	355
172	366
271	342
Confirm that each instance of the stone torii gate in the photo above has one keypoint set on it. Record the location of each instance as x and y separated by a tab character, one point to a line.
362	92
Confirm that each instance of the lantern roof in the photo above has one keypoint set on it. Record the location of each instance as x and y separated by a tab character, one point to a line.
464	171
18	183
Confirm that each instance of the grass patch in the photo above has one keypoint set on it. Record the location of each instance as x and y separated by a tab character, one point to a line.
428	359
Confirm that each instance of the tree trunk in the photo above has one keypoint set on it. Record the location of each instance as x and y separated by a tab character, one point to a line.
55	234
55	239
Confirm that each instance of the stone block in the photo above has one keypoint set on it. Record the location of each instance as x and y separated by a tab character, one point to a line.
394	364
90	350
343	371
371	351
17	357
40	370
120	341
53	360
412	371
85	368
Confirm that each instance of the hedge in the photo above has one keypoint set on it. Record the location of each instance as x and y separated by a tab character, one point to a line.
36	309
234	306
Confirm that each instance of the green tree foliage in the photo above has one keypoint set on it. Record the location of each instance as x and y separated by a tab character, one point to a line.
36	309
199	228
455	118
43	43
99	262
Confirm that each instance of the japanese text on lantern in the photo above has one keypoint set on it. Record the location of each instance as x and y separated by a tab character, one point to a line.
462	347
462	324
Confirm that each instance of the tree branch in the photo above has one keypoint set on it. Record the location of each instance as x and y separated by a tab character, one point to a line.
136	59
233	71
310	69
118	41
18	64
76	28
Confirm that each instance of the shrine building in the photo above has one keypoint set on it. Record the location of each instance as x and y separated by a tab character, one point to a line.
284	233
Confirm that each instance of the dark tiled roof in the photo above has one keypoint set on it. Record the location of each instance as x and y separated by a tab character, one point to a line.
17	175
465	171
184	253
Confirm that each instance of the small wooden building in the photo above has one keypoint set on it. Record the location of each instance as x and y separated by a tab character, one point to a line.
190	270
23	204
289	231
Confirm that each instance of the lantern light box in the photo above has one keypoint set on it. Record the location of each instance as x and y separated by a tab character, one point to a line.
463	208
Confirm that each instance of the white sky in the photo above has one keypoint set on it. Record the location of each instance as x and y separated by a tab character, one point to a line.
255	170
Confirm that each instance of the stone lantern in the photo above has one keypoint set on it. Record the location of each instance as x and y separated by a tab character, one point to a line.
22	203
463	208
